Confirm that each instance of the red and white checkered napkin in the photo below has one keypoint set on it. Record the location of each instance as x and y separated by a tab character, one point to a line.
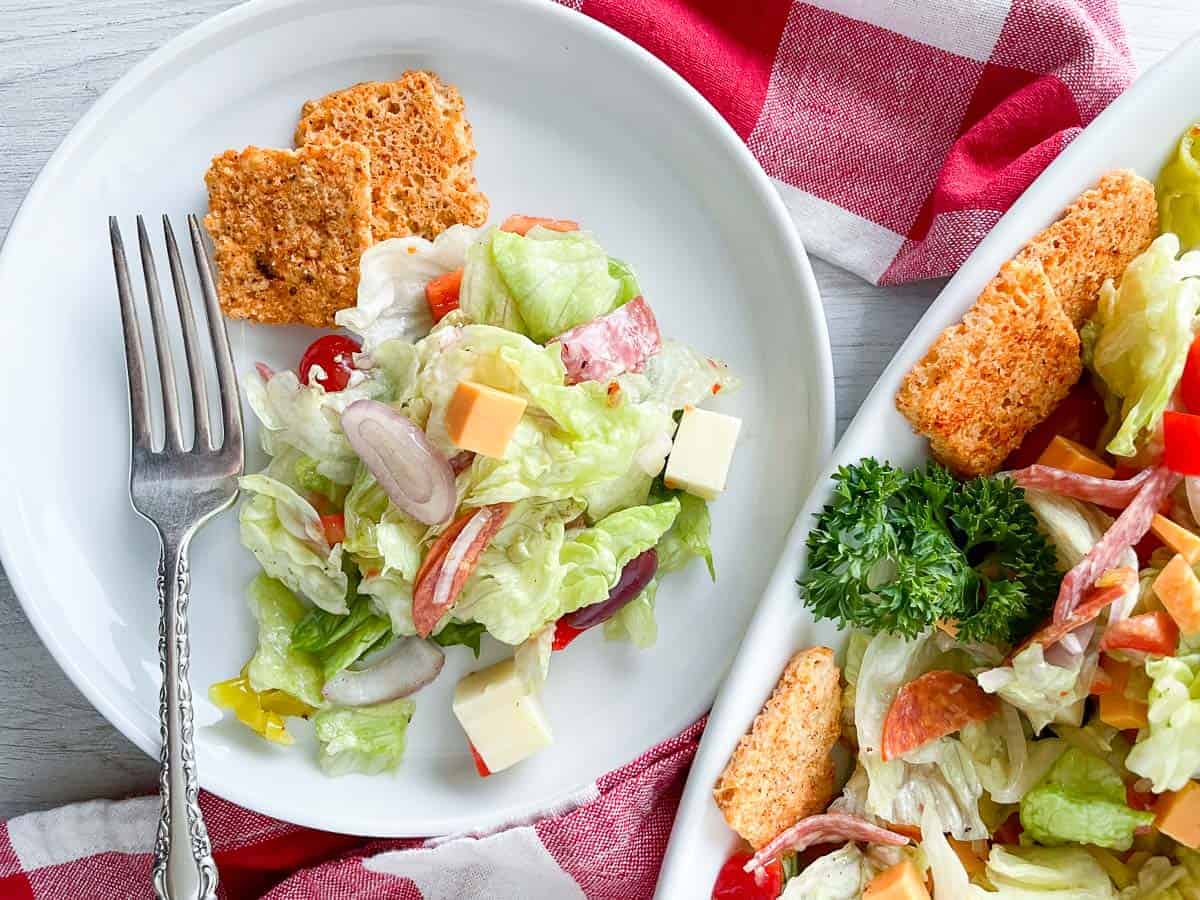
897	133
606	843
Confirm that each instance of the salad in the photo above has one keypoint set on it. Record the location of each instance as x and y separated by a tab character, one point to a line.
506	446
1020	693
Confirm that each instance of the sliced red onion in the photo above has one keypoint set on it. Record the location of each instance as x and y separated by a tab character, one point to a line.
414	475
265	372
634	578
403	669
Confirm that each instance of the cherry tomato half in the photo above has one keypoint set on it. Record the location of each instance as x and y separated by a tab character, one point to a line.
564	633
733	883
334	354
334	526
1189	384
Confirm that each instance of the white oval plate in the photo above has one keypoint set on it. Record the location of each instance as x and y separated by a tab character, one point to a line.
1136	132
571	120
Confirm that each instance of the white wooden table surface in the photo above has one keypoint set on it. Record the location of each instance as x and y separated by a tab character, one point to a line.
56	58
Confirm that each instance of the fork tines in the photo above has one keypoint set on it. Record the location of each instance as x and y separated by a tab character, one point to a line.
139	403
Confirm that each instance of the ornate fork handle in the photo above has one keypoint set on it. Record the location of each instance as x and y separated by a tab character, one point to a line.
183	863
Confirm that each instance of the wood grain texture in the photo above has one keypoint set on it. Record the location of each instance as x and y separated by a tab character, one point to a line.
56	58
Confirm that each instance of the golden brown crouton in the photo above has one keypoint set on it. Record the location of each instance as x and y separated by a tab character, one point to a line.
988	380
422	154
782	770
289	227
1095	239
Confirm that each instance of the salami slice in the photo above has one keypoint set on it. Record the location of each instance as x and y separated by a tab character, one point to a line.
439	583
1129	528
930	707
1111	587
605	347
1101	491
826	828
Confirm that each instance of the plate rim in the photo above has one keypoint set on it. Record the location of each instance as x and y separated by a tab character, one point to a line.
945	309
231	23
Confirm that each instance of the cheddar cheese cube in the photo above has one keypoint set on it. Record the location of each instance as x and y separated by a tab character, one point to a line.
1178	538
483	419
1177	815
1064	453
901	882
1117	708
702	452
1179	591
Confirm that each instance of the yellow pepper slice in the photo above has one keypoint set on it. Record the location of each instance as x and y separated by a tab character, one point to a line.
262	712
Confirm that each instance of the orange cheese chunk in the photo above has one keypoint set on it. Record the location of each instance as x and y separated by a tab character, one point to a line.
901	882
483	419
1179	591
1064	453
1177	815
1177	538
1117	708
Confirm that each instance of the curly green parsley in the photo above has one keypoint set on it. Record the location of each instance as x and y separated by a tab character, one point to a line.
898	551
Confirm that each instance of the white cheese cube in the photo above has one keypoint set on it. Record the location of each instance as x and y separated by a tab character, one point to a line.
503	720
702	452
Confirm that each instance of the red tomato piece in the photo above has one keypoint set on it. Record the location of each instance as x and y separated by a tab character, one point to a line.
334	354
519	224
442	293
1139	800
1010	831
480	765
733	883
930	707
564	633
1189	384
334	526
1181	442
1080	416
1152	632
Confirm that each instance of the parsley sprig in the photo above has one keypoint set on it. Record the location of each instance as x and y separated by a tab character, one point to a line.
897	551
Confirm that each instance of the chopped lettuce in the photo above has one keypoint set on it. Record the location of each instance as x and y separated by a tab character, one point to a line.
365	739
530	574
308	419
391	597
1168	752
627	282
1160	879
557	280
277	664
1060	873
689	537
1081	800
1138	338
1007	762
1043	691
840	875
678	376
635	622
940	776
284	533
483	296
338	641
466	634
391	285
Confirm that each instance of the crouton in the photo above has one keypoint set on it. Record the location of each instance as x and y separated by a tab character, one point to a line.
988	380
289	227
1095	239
782	770
422	153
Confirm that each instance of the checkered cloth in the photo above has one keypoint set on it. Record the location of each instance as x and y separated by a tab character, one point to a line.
897	132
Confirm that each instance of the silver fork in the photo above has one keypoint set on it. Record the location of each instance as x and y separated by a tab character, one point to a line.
177	489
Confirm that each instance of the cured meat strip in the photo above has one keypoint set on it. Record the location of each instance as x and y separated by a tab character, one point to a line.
1101	491
826	828
1112	586
605	347
1129	528
439	583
